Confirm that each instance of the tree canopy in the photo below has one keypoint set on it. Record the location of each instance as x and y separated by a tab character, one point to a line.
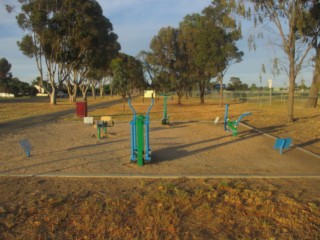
127	75
68	37
200	49
10	84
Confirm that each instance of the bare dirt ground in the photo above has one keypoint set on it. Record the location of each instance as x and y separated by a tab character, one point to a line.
266	208
185	148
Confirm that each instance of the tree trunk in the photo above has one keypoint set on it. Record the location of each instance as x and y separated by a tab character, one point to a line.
93	90
291	93
180	93
101	92
201	97
179	98
84	89
312	100
73	97
202	87
315	86
221	95
221	91
53	96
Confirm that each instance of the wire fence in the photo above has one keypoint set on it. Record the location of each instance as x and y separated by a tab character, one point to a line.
260	97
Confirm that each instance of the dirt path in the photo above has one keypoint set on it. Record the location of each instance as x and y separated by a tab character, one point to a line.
184	149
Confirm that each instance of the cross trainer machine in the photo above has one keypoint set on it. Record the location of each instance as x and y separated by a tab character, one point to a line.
140	149
233	125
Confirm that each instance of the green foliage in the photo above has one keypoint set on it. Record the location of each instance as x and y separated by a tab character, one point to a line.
210	42
200	49
253	87
168	54
8	84
127	74
5	74
236	84
67	36
120	83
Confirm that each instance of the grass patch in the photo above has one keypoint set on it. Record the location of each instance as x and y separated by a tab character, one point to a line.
167	209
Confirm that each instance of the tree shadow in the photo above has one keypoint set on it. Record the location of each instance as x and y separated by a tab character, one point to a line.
311	142
270	129
305	144
306	118
167	127
177	123
39	174
92	145
179	151
63	159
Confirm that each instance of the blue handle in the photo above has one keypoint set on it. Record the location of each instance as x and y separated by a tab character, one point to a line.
131	107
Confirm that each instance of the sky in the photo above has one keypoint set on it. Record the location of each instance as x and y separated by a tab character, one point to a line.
136	22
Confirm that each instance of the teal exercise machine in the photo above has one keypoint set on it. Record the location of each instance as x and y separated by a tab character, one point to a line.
165	118
102	124
232	126
139	134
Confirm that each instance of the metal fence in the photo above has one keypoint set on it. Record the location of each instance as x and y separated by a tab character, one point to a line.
259	97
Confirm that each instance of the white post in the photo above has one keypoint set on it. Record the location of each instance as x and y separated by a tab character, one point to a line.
270	88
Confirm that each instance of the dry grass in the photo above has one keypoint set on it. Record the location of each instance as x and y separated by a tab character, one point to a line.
170	209
19	108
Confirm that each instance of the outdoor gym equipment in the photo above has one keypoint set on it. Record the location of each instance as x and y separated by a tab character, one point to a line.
233	125
165	119
282	143
140	149
103	123
26	146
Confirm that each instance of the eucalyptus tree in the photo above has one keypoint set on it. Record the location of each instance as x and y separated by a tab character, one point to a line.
65	36
106	79
91	43
157	79
169	55
283	20
136	75
209	46
127	75
95	77
120	80
221	14
311	29
39	42
5	74
151	71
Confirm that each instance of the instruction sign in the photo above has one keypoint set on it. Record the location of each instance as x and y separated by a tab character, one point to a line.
150	94
26	146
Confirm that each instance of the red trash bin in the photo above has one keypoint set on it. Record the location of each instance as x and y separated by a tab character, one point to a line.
81	109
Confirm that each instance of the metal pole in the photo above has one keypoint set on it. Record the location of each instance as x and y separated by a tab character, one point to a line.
140	150
165	107
270	96
226	117
148	150
147	122
133	138
133	132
